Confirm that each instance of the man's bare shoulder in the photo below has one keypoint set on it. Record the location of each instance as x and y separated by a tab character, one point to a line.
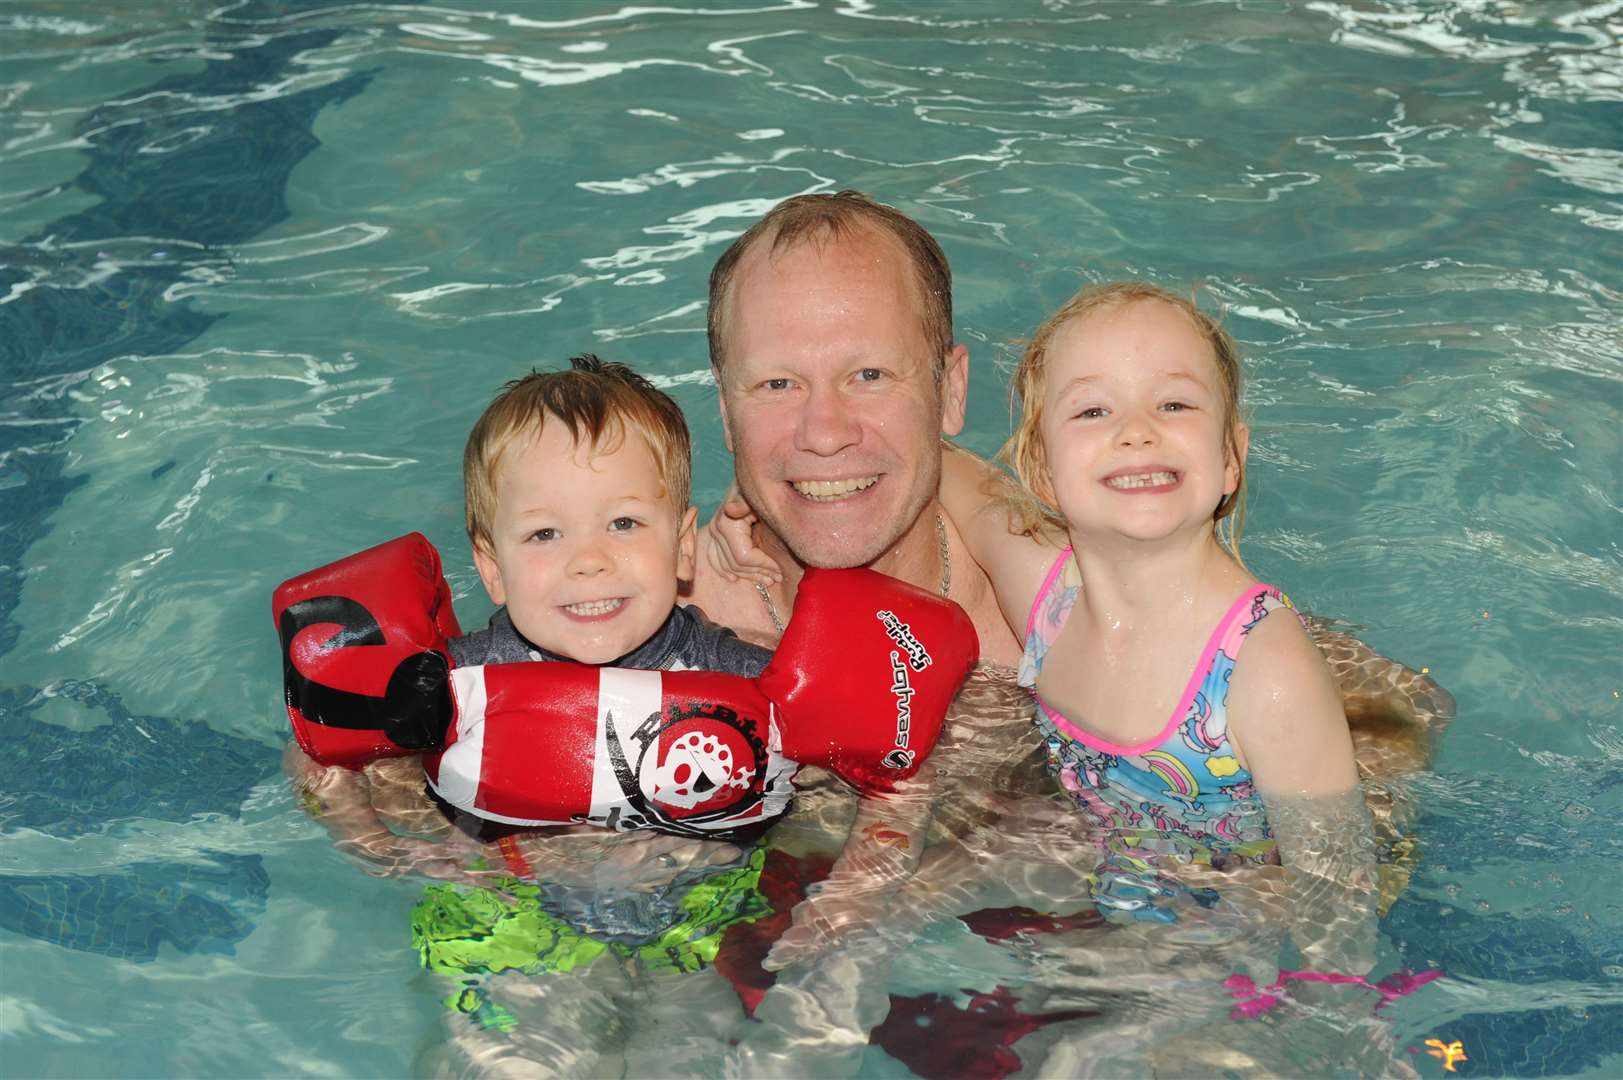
973	591
733	604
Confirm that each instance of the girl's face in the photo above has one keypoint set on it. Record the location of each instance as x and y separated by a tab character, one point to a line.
1134	424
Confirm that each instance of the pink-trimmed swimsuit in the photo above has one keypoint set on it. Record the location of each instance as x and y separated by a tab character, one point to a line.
1182	793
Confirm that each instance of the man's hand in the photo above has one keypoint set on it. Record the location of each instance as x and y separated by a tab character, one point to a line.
729	543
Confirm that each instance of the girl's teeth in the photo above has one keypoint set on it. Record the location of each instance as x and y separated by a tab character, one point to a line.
594	607
1140	480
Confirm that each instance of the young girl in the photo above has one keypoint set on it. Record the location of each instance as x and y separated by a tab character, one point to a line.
1183	704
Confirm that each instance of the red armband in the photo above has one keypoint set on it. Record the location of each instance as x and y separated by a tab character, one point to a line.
363	653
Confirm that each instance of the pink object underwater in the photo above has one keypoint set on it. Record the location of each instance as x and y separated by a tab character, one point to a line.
1254	1002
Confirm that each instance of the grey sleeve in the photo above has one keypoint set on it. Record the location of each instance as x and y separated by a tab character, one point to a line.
708	647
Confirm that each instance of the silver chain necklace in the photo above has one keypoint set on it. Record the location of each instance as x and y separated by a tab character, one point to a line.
946	575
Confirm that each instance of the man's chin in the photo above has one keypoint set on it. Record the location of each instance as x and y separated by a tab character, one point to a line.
833	552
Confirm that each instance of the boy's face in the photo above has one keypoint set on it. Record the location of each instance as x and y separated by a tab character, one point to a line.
586	545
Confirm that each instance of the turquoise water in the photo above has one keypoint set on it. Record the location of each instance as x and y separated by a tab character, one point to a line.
262	263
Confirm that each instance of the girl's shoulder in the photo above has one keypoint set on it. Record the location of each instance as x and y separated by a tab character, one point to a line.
1284	708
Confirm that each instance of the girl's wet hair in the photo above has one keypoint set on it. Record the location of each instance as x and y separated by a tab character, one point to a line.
1025	453
601	404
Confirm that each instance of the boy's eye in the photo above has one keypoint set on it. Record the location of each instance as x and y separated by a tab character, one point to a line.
622	524
544	535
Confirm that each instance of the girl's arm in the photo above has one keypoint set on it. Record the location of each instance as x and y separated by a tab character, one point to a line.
975	494
1286	722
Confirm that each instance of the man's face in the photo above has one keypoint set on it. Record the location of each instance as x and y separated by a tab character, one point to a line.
828	397
586	545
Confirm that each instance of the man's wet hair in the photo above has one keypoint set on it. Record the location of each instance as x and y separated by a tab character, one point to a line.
840	216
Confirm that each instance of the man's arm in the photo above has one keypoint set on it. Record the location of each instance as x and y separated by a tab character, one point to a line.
880	853
976	495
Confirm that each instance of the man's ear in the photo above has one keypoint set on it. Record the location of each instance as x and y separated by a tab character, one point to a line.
1231	467
721	403
954	389
687	544
484	560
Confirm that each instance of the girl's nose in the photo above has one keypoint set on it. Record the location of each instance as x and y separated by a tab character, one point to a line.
1136	429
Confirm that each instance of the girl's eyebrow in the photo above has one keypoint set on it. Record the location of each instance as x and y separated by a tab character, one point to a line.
1089	380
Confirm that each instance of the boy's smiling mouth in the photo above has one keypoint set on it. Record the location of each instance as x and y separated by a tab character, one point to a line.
594	609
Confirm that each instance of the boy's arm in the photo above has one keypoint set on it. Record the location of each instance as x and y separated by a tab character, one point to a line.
341	800
976	496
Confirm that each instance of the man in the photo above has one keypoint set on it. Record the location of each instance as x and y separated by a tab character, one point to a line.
831	344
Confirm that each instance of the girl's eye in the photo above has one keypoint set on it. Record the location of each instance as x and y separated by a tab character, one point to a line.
544	534
1092	412
622	524
1175	406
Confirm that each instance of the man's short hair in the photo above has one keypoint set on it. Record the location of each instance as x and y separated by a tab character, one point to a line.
600	403
841	215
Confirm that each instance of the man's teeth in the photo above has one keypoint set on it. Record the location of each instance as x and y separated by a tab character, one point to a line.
1142	480
594	607
834	489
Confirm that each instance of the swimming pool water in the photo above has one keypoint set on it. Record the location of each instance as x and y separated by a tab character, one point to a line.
262	263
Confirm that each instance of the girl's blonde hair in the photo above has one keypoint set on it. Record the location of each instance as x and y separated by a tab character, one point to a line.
1025	453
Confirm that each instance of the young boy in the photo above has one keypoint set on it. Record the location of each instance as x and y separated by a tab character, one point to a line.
576	486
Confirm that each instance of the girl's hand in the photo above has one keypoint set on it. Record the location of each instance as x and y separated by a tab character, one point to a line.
730	543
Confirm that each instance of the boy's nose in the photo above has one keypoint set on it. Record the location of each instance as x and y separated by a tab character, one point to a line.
588	559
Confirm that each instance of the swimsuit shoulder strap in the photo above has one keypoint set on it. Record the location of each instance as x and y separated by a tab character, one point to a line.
1046	595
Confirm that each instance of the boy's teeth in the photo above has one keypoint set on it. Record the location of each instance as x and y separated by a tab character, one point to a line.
594	607
1146	479
833	489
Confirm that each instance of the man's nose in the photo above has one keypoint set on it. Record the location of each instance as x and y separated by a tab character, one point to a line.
827	423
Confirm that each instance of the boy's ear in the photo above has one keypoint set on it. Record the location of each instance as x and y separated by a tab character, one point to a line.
489	572
1236	458
687	544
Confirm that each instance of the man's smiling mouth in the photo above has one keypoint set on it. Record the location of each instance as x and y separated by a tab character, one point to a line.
830	490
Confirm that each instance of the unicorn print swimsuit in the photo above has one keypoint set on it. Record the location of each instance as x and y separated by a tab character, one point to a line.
1182	793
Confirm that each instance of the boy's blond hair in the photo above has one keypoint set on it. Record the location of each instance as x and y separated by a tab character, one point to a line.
600	403
1025	453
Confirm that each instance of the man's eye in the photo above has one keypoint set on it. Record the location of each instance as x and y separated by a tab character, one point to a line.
776	384
623	524
544	534
870	374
